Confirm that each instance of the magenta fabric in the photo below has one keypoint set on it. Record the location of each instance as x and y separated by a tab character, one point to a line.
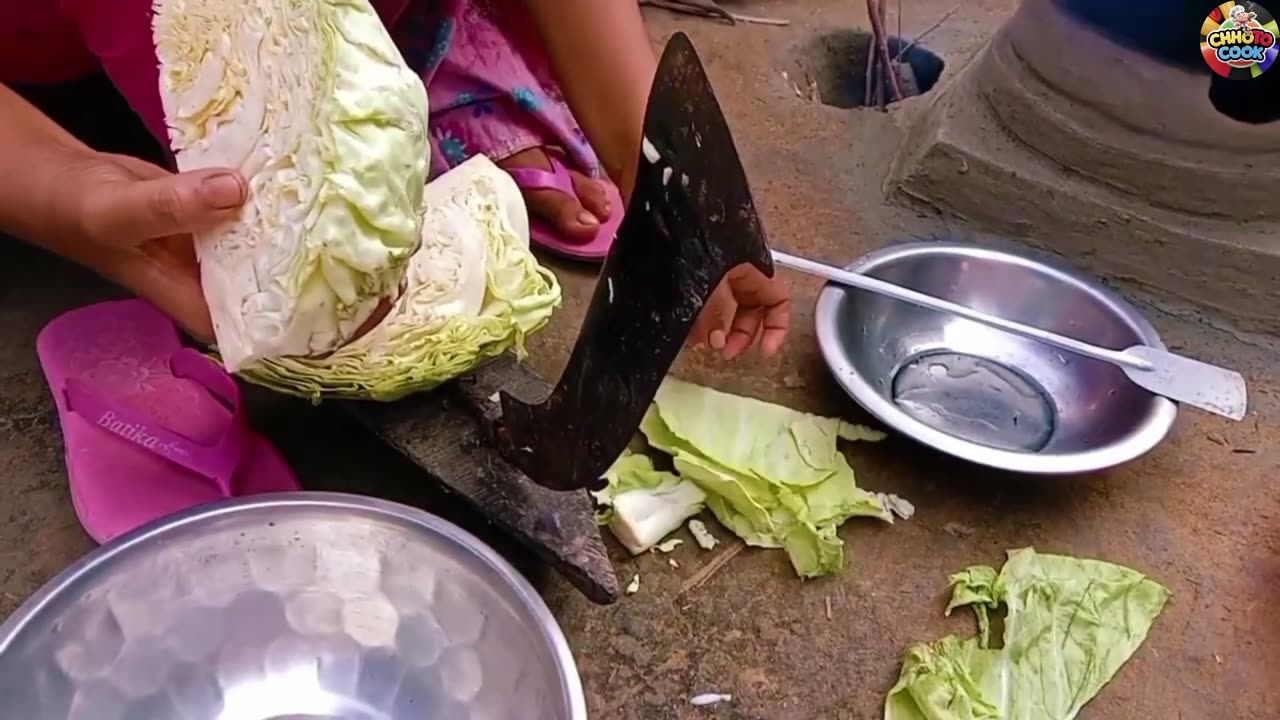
118	33
487	76
39	45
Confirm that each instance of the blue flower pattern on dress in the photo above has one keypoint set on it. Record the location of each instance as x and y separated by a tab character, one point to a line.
463	99
453	149
425	39
526	99
440	46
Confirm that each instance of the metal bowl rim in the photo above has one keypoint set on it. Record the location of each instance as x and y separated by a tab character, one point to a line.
1101	458
549	627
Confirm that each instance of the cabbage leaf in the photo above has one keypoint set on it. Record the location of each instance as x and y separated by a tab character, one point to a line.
773	476
1070	625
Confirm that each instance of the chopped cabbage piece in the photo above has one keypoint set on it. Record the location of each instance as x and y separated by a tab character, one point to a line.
313	103
645	504
896	506
702	535
667	546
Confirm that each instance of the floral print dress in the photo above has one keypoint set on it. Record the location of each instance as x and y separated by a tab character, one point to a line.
489	83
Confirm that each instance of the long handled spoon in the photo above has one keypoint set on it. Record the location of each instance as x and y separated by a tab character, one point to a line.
1179	378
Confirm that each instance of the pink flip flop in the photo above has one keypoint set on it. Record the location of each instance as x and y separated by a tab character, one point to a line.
150	427
545	236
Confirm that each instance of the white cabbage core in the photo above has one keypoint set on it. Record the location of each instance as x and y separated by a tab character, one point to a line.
312	102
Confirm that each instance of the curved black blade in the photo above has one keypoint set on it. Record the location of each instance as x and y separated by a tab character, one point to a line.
446	433
689	222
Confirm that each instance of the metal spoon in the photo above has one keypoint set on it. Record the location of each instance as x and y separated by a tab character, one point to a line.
1208	387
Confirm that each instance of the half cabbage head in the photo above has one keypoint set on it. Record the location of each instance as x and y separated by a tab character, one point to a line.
474	291
313	103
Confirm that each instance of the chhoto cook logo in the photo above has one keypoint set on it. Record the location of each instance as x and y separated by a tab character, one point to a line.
1239	41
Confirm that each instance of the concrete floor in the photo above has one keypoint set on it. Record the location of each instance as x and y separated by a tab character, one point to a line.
1199	514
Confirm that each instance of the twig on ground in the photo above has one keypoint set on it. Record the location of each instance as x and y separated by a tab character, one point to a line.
871	70
756	20
810	91
899	35
710	9
811	83
928	30
711	568
875	9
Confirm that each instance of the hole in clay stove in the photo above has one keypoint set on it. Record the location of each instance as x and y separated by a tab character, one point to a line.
1247	101
840	61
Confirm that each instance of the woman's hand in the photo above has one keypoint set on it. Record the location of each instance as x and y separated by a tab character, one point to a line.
124	218
132	223
745	309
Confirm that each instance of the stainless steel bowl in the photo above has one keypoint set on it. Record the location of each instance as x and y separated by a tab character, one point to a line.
982	394
300	605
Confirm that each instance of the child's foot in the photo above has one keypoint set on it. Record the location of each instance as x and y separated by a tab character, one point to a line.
579	218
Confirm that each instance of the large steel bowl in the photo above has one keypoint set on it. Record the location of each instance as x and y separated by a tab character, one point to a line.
982	394
300	605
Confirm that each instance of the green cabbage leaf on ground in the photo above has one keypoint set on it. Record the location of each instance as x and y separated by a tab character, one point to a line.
1069	625
773	476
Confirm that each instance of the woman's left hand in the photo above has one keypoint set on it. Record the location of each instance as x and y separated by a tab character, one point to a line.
131	221
746	309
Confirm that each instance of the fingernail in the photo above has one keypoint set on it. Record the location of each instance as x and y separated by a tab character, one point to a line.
223	191
717	339
588	219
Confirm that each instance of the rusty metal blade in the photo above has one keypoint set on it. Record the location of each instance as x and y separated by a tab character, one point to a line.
447	434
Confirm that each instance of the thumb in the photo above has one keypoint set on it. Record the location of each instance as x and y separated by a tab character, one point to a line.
717	317
169	205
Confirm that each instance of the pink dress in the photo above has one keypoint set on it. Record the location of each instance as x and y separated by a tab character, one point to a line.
489	83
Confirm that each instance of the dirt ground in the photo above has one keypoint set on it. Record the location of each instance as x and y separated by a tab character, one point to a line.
1198	514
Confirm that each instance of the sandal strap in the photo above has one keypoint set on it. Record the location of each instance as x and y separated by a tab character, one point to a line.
217	461
558	178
